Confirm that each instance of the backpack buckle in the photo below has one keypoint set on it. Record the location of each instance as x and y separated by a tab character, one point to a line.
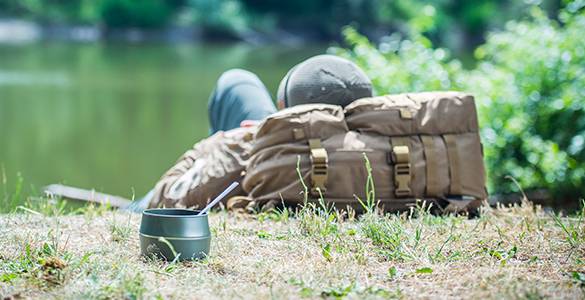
402	170
319	164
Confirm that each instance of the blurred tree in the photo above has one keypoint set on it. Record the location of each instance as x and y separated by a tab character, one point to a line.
458	25
138	13
218	17
326	17
53	11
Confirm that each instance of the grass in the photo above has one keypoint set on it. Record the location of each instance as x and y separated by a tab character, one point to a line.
48	250
519	252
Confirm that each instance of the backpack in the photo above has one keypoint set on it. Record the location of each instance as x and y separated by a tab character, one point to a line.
419	146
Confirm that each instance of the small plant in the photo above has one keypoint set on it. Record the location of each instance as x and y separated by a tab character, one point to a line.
392	272
125	286
440	250
10	200
263	234
305	187
304	291
370	204
500	254
386	233
340	292
276	214
326	251
573	229
45	265
170	267
579	278
120	233
425	270
316	220
92	211
46	206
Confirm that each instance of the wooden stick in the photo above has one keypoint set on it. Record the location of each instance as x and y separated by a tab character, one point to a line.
74	193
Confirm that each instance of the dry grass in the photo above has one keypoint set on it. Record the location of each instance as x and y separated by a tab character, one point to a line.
518	252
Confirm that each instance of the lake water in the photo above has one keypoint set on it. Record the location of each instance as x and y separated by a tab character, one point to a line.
114	116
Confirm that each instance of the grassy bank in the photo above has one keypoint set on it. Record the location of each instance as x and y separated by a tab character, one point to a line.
519	252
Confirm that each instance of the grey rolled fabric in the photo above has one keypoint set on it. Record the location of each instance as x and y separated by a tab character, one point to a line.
324	79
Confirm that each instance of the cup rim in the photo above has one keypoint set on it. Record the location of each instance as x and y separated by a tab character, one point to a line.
179	238
156	212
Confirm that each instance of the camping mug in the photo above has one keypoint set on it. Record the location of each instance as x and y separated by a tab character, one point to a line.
170	232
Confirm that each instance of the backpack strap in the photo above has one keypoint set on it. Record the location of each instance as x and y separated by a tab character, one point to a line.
402	168
319	161
431	159
454	164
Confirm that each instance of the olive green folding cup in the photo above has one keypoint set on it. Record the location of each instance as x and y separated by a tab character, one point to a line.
170	232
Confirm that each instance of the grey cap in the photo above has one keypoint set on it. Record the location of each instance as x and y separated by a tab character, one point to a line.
324	79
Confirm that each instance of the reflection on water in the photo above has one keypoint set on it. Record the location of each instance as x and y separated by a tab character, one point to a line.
114	116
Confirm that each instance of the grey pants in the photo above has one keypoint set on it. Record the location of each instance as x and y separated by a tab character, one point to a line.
239	95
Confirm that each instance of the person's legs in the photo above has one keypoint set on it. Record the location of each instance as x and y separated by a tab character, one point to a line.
239	95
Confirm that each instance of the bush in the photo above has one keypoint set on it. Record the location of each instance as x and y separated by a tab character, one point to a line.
529	84
531	90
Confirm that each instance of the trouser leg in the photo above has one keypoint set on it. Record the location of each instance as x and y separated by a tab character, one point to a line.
239	95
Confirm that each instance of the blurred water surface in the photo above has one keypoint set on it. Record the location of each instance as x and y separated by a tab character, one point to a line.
114	116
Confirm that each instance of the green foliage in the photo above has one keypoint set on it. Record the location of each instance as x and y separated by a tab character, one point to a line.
529	84
530	87
399	65
219	16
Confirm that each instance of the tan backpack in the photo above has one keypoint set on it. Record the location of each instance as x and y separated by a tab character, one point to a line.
419	145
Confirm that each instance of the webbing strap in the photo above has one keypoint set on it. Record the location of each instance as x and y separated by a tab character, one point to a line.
402	168
431	162
319	161
454	164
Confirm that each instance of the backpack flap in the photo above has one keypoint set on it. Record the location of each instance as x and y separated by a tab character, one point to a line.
444	146
431	113
301	122
298	132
